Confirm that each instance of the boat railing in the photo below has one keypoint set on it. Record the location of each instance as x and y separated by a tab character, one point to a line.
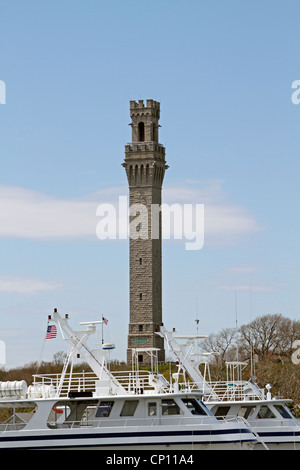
223	390
139	422
234	390
52	386
142	381
133	382
12	427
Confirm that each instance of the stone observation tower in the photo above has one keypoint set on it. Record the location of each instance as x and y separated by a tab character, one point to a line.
145	167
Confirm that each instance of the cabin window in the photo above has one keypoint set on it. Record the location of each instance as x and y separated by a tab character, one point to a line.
194	406
222	411
285	413
265	413
152	409
104	409
129	407
170	407
246	411
66	413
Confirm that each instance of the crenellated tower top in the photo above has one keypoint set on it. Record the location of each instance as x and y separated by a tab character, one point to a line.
144	120
145	162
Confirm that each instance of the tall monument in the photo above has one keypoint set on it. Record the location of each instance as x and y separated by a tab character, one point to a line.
145	167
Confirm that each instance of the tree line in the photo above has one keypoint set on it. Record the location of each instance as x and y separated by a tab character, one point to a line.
267	344
269	336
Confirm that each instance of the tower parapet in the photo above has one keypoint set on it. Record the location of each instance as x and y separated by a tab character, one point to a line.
144	120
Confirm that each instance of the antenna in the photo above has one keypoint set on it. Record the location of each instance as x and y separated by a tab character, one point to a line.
197	318
236	316
251	337
236	324
197	325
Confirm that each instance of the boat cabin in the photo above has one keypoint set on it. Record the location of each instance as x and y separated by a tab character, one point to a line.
135	410
252	411
130	410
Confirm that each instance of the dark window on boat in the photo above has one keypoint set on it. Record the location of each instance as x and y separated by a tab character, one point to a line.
170	407
285	413
152	409
265	413
246	411
222	411
129	407
194	406
104	409
72	411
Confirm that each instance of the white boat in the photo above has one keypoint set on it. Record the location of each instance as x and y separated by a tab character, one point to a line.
275	427
100	410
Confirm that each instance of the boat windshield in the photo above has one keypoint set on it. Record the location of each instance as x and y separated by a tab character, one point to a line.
194	406
265	412
284	411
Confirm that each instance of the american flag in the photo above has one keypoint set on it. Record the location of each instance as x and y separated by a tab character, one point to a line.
105	320
51	332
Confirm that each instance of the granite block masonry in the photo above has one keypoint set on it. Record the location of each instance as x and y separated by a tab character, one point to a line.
145	167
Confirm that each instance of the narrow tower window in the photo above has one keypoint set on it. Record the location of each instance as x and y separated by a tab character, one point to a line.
141	129
154	133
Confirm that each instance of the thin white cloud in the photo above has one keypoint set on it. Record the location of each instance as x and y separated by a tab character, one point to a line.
30	214
224	221
249	287
245	278
23	285
244	285
243	269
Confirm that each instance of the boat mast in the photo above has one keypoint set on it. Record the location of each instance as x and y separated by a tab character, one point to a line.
97	359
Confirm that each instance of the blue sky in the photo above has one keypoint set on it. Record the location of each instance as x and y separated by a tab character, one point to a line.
223	73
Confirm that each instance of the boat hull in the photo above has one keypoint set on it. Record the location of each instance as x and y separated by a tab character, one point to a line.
284	439
133	439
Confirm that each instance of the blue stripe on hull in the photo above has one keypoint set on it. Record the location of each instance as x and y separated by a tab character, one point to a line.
131	435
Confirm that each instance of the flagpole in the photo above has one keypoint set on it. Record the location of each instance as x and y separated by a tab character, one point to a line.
42	349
